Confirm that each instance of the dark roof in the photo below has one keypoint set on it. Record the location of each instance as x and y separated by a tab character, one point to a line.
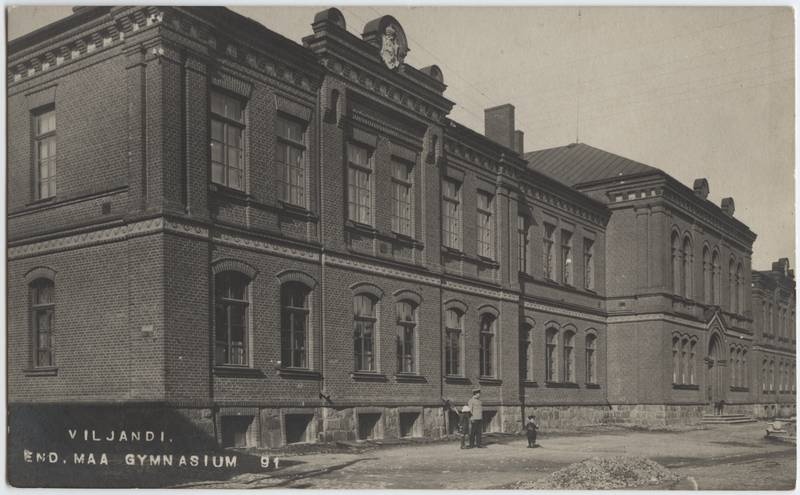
578	163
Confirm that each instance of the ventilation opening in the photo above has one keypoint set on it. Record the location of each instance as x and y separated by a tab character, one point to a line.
234	430
489	418
368	426
297	427
408	424
452	424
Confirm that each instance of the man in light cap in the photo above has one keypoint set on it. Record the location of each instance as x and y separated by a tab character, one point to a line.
476	419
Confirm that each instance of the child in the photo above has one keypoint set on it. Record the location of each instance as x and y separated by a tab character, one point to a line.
463	425
530	431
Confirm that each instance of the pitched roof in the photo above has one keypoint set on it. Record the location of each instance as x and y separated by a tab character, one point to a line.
578	163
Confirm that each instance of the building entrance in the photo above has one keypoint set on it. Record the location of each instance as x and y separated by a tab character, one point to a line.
716	370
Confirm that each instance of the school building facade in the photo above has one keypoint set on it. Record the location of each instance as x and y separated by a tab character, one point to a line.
293	243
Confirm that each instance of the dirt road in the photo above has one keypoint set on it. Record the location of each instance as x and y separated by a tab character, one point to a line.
721	457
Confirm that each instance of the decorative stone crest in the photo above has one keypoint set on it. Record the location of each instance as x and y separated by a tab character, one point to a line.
393	49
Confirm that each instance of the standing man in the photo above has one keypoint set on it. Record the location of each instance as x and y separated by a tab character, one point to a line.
476	419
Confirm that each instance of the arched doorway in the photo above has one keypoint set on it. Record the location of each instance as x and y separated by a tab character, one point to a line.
716	369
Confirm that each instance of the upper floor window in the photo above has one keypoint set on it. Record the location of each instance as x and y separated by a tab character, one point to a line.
688	260
451	224
588	264
485	225
406	337
402	197
227	140
291	164
591	359
522	241
707	276
364	332
733	290
231	318
547	251
452	342
294	325
676	264
716	283
359	184
566	257
43	319
487	345
44	126
569	357
740	290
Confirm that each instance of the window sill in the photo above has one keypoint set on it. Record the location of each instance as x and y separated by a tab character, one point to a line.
685	386
238	371
361	227
406	239
226	190
488	380
410	378
299	373
368	376
455	252
41	201
43	371
527	383
561	385
740	389
593	385
488	261
295	210
455	379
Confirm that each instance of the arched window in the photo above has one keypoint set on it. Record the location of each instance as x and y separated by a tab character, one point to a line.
764	376
527	352
569	357
551	355
364	332
688	260
231	318
406	337
487	357
733	365
676	360
294	325
43	319
692	346
452	346
676	264
771	376
707	274
685	360
745	381
739	289
591	359
716	282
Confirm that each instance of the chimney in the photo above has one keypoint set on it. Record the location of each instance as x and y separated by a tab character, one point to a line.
781	266
727	206
701	188
499	125
519	142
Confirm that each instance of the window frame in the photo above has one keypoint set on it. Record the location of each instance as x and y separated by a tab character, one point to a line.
486	228
227	303
46	138
569	356
454	357
552	370
228	122
588	264
567	263
548	251
590	351
288	335
362	322
523	243
356	211
37	309
486	337
452	228
403	224
406	348
300	173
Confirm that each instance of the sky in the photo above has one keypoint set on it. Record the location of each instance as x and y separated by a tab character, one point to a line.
695	91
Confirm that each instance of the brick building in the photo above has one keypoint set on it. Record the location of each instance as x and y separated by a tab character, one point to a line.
285	243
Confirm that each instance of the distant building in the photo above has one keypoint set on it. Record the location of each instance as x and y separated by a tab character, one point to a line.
286	243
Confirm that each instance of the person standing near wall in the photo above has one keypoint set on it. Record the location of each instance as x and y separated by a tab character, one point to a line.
476	419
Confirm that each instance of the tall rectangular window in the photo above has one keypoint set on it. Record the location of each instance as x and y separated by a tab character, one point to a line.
231	318
566	257
364	321
359	184
452	328
44	126
227	140
290	157
551	356
548	263
588	264
527	342
485	225
406	337
522	241
402	197
486	357
451	224
294	325
42	316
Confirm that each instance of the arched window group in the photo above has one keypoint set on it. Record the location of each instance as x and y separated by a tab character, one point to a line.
682	265
738	366
561	355
684	360
711	276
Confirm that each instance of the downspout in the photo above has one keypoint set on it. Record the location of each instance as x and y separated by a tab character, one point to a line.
320	198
